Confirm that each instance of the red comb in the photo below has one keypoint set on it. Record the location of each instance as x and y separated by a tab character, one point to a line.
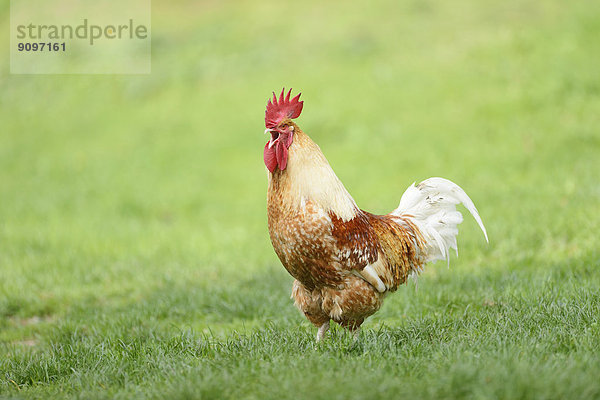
278	110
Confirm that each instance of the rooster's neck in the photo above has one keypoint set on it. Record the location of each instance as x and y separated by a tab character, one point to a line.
309	177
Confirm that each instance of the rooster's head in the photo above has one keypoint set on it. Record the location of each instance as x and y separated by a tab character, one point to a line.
278	120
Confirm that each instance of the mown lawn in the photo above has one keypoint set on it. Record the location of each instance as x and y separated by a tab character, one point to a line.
134	254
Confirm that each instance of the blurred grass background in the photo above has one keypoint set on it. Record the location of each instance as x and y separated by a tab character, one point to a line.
134	252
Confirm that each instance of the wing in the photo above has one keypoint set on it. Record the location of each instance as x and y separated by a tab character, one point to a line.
358	248
381	249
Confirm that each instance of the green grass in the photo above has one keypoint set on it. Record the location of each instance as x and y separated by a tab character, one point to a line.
134	255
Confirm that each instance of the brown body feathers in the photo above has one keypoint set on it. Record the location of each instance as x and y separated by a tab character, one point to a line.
326	242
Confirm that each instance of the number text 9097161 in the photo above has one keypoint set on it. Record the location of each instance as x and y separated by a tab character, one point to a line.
42	46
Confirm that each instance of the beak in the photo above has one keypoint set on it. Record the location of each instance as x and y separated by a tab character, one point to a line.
272	141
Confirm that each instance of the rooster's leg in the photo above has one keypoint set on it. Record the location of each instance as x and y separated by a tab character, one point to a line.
322	331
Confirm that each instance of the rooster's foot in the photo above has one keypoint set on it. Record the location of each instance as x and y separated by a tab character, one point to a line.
322	331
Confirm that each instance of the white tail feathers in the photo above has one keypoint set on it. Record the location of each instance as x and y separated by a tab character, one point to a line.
431	206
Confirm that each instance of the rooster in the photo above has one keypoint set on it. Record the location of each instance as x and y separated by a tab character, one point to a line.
346	260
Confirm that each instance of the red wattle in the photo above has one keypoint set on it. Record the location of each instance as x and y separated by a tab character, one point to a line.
270	158
282	155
